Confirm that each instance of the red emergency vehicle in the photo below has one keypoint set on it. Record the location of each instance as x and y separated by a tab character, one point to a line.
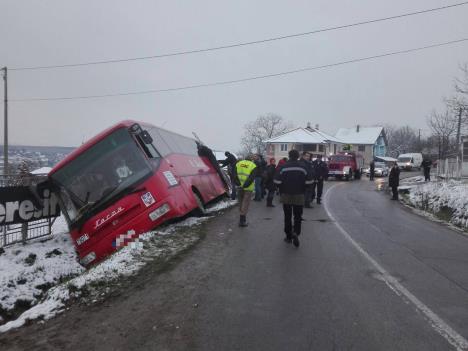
347	165
129	179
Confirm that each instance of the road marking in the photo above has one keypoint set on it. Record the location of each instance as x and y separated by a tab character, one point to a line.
437	323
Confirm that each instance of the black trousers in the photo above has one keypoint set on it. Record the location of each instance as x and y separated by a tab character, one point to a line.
427	174
289	211
395	192
319	185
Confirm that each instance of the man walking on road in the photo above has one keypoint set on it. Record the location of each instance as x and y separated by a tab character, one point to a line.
371	170
426	165
319	172
394	180
305	159
269	184
245	173
292	179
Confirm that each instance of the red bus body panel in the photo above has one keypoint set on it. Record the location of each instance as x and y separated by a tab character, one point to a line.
129	217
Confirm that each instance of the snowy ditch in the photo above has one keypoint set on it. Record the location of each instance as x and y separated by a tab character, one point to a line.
39	279
444	200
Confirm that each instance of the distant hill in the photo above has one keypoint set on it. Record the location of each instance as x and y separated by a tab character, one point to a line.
42	149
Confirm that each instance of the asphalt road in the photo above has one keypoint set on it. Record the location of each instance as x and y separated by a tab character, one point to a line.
369	275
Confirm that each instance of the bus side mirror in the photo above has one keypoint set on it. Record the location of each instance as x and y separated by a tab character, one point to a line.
146	137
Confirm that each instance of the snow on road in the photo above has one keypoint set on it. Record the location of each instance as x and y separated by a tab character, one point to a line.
44	275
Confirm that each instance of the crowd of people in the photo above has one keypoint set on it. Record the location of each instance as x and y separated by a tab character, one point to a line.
297	180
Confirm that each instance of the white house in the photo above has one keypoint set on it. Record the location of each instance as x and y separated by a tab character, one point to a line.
367	141
308	139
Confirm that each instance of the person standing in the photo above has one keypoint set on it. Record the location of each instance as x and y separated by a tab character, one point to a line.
230	163
258	177
292	180
245	173
394	180
269	182
307	163
320	172
372	170
426	165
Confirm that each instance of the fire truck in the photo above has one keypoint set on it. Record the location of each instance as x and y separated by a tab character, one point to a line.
345	165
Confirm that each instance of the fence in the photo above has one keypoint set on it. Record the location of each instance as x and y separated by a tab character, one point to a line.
449	168
15	233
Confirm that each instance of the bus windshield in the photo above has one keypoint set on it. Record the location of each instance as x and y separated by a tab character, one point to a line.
101	172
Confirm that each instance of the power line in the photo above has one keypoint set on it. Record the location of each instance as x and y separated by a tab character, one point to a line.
222	47
227	82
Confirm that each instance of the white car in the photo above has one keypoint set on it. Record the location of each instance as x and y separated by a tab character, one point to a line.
380	170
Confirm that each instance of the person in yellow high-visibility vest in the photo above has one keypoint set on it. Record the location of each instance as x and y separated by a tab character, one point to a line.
246	171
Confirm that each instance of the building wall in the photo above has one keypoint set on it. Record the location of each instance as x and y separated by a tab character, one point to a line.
274	150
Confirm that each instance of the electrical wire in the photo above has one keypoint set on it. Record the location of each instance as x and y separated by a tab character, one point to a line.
222	47
235	81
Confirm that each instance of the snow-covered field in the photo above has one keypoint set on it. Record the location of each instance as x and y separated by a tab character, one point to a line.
446	200
41	277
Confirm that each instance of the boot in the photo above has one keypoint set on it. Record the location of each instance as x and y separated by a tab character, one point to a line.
243	221
318	201
270	203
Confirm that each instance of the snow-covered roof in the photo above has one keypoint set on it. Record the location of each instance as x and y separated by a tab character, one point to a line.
366	135
303	136
42	170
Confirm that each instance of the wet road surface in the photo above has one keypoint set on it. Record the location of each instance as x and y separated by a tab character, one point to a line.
369	275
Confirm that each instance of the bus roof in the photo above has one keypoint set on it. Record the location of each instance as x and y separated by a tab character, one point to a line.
91	142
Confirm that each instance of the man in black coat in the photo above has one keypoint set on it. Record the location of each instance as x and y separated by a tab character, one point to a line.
426	165
269	182
371	170
305	159
394	180
230	162
320	173
292	180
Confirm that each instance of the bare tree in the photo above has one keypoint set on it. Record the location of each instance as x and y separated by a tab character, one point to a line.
401	140
444	127
263	128
461	84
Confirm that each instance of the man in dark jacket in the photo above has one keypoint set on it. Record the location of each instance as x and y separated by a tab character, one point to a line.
269	184
305	159
261	165
371	170
426	165
230	163
320	173
292	180
394	180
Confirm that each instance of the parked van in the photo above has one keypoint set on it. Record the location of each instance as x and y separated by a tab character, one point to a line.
410	161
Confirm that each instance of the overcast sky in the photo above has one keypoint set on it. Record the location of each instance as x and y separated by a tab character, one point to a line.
399	90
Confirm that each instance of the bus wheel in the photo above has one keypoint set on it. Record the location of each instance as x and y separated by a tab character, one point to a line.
201	209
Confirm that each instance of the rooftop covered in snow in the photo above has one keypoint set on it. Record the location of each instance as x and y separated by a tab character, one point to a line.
359	135
304	136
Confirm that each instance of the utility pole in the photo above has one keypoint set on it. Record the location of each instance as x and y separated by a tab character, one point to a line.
5	116
460	114
419	140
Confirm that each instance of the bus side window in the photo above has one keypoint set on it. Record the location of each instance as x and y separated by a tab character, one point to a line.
161	145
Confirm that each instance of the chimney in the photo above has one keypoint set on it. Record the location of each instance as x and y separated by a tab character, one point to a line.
357	128
308	125
317	126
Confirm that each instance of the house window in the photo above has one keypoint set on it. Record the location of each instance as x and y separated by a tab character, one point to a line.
465	151
362	148
320	148
284	147
334	148
310	147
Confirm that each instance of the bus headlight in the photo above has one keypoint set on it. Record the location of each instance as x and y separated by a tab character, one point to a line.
88	258
159	212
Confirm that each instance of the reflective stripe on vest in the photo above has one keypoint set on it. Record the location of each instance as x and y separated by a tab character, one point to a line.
244	168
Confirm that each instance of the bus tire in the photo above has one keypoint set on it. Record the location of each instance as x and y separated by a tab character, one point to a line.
200	211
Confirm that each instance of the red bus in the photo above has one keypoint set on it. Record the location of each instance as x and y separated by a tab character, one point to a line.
129	179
